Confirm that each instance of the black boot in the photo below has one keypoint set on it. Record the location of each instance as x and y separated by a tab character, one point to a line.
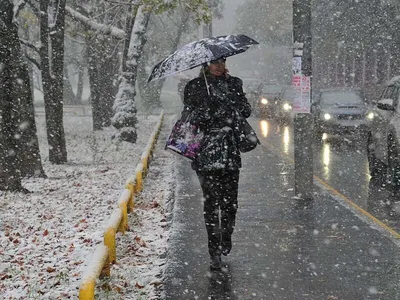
226	244
215	262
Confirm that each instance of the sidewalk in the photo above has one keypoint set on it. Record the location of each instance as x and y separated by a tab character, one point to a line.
281	249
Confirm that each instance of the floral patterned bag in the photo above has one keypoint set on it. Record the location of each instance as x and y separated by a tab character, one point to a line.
185	138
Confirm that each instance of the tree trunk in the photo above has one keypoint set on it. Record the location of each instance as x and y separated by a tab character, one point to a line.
52	64
124	118
69	96
94	89
130	20
103	72
10	175
108	65
79	90
31	162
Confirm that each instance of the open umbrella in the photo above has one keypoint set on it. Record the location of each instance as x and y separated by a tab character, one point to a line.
197	53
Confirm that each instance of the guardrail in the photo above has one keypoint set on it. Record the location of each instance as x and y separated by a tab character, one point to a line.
104	255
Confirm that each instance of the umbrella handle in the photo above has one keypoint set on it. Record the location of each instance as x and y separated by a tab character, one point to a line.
205	78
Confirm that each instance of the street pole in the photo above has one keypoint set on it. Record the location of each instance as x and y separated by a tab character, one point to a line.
302	80
207	28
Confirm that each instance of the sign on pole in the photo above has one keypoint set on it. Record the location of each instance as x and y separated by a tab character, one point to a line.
302	86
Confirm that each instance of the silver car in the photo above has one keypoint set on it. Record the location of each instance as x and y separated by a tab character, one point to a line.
384	138
341	111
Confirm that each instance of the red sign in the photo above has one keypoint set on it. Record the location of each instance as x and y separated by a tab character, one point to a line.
302	86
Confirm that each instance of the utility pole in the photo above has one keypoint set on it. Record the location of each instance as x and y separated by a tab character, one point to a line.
302	81
207	28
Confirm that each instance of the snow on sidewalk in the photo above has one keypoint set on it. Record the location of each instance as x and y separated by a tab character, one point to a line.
46	237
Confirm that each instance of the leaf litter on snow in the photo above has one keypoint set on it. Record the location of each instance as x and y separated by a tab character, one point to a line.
46	237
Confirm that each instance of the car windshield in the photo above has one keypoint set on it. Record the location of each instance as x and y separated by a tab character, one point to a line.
345	97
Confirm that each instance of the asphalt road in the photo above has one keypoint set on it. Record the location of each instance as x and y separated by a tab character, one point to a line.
341	163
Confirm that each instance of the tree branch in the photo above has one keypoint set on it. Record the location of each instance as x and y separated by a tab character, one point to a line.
35	10
101	28
119	2
75	40
32	60
29	45
18	6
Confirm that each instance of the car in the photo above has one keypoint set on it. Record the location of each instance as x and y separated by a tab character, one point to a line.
252	90
384	137
341	111
284	105
265	104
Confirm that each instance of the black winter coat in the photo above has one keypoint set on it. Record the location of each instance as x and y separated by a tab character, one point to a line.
216	115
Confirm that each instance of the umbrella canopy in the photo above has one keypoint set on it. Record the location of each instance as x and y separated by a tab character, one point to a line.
197	53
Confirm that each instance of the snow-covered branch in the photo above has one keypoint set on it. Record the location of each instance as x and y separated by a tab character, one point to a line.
101	28
18	6
33	7
122	2
29	45
34	61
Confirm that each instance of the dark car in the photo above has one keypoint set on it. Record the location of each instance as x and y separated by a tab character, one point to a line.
284	105
265	102
341	111
384	137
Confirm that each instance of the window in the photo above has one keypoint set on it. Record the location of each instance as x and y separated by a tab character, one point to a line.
341	97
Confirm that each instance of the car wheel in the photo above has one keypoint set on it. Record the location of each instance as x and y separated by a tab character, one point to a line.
393	165
377	169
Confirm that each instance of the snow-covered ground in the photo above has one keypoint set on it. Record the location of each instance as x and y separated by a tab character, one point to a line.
48	236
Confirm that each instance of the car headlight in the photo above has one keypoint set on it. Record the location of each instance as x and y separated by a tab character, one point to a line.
370	115
287	106
327	116
264	101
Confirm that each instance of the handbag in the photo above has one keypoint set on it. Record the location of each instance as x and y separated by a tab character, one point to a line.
185	138
247	139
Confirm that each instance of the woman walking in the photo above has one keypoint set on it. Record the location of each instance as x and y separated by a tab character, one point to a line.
214	101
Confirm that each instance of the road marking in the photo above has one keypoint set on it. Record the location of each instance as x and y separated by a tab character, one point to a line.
390	230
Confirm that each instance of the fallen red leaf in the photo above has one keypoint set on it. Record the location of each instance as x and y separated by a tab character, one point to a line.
138	286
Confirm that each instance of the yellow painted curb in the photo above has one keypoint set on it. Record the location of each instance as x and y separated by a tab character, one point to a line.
99	266
110	232
131	202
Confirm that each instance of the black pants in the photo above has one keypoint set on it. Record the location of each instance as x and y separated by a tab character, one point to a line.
220	190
